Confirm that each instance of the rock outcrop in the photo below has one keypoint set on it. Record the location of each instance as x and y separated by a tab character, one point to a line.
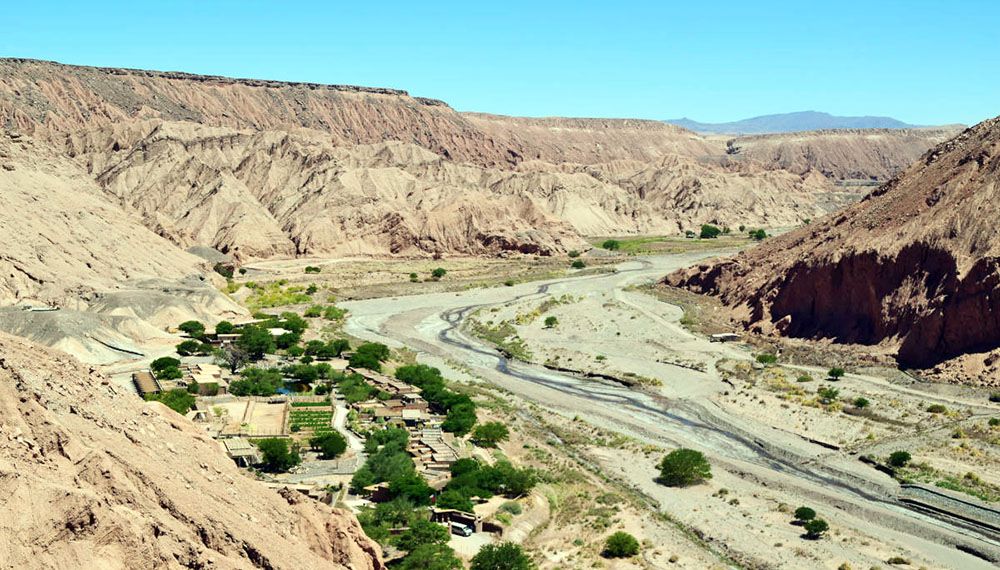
914	266
94	478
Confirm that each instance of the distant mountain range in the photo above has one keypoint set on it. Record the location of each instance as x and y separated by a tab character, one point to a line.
790	122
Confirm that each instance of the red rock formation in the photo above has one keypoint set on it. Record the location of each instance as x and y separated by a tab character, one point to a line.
915	265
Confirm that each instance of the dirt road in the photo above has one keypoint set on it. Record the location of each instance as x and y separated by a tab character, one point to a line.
679	413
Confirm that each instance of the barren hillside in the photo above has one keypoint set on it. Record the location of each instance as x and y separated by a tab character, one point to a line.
915	265
847	154
94	478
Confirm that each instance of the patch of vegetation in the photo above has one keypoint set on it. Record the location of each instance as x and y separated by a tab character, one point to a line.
620	545
370	355
257	382
178	400
611	245
490	434
684	467
503	556
459	409
329	444
438	273
311	269
274	294
757	235
578	264
277	455
504	337
708	231
937	409
766	358
970	483
835	373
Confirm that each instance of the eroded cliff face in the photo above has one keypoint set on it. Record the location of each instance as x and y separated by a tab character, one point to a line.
915	266
94	478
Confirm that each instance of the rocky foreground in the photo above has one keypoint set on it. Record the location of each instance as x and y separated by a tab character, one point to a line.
94	478
915	266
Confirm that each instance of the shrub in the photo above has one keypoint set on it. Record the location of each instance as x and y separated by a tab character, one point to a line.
508	283
994	422
937	409
835	373
804	378
312	269
995	396
512	507
490	434
312	289
899	458
551	322
578	264
860	402
438	273
503	556
193	387
277	455
803	514
621	545
827	394
194	329
767	358
329	444
816	528
612	245
898	560
683	467
757	235
333	313
223	270
313	312
414	278
574	253
689	234
177	400
708	231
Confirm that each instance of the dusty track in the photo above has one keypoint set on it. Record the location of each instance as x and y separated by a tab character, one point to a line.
681	413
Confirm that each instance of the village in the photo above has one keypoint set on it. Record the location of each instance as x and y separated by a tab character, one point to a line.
331	413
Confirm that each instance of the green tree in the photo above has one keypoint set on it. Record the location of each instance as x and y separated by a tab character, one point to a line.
490	434
758	235
163	363
578	264
454	499
684	467
256	342
193	387
899	458
803	514
414	278
460	419
503	556
277	455
708	231
171	373
551	322
621	545
224	327
438	273
612	245
816	528
421	532
189	347
860	402
433	556
257	382
835	373
194	329
329	444
827	394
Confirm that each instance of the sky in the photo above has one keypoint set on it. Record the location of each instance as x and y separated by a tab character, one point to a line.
918	61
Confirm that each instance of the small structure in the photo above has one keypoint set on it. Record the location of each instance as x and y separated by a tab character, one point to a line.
241	451
145	383
724	337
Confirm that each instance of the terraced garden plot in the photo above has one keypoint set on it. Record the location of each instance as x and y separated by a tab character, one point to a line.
315	421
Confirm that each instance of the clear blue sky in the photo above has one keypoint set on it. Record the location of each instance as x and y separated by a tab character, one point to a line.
919	61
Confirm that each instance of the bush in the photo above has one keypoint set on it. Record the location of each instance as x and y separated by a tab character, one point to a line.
438	273
767	358
757	235
224	327
827	394
193	387
177	400
995	396
312	269
193	347
329	444
223	270
551	322
816	528
612	245
860	402
708	231
313	312
512	507
490	434
684	467
578	264
803	514
899	458
804	378
277	455
414	278
835	373
503	556
621	545
994	422
937	409
574	253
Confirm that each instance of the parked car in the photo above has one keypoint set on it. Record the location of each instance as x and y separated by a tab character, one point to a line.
461	529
